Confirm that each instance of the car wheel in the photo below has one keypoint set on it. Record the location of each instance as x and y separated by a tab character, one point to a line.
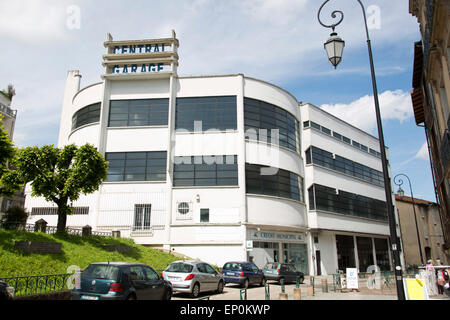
263	282
220	287
195	291
131	297
245	284
168	295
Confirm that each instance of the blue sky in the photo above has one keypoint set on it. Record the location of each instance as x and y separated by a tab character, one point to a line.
279	41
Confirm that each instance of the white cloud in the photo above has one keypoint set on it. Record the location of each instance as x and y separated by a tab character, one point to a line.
33	20
423	152
394	105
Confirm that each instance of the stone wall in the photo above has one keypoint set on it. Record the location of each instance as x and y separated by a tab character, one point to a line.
39	247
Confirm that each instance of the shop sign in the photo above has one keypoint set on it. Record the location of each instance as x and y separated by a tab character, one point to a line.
263	235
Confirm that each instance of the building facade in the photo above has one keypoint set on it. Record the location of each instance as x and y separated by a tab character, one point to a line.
428	231
8	122
212	167
431	95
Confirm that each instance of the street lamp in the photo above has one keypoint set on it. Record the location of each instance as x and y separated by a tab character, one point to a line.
387	182
401	193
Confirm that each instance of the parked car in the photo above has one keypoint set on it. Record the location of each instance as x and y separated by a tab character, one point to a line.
121	281
245	273
193	277
287	271
6	292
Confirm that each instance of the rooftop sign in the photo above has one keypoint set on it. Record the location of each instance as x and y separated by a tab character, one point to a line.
140	58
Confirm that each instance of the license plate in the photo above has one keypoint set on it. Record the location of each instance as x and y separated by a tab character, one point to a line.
89	298
175	278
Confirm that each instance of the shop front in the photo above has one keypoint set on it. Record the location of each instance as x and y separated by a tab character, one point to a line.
275	246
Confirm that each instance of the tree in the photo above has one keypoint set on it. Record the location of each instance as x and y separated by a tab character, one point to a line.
14	218
7	150
61	175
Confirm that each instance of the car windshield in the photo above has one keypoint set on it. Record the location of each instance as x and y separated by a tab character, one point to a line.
179	267
101	271
233	266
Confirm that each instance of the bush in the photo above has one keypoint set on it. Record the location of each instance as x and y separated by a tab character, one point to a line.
14	218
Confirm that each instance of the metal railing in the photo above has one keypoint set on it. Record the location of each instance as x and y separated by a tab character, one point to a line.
50	229
24	286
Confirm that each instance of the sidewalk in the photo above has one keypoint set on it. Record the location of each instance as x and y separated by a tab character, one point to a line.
233	292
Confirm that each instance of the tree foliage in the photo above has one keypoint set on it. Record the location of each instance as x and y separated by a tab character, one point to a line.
7	151
61	175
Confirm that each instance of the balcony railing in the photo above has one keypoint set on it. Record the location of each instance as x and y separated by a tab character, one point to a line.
8	111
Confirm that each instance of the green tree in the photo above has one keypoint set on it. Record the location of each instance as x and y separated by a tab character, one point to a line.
15	218
61	175
7	150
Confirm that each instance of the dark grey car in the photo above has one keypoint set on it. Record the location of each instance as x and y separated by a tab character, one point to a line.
286	271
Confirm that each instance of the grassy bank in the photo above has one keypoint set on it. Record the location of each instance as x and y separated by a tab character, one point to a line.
76	250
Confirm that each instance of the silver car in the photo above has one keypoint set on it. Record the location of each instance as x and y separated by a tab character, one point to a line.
193	277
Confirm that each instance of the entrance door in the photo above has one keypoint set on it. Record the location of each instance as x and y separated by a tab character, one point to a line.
318	262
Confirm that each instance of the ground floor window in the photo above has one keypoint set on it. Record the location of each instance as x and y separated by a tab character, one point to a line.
382	254
365	253
345	251
297	254
142	213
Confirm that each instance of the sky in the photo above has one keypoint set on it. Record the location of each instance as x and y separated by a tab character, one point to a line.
279	41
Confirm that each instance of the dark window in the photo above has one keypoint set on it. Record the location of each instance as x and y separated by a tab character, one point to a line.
337	135
356	144
143	112
326	131
137	166
346	140
326	199
205	171
86	115
218	113
306	124
315	125
283	183
204	215
325	159
48	211
262	118
345	246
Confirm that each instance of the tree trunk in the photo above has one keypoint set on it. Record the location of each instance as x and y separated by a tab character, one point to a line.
63	209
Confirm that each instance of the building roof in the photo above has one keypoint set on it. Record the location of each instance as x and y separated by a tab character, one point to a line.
416	200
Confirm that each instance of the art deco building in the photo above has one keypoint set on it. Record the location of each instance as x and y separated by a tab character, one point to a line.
222	167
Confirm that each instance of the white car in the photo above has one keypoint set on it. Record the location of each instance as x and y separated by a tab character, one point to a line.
193	277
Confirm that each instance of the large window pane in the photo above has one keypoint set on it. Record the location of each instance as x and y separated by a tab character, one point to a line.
206	171
86	115
137	166
142	112
326	199
283	184
325	159
262	115
212	112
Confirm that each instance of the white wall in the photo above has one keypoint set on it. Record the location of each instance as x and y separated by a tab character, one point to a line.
275	211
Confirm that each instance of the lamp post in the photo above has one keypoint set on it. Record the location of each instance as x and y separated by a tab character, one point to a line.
401	193
335	46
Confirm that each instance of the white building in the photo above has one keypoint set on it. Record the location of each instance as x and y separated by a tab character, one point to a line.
190	170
